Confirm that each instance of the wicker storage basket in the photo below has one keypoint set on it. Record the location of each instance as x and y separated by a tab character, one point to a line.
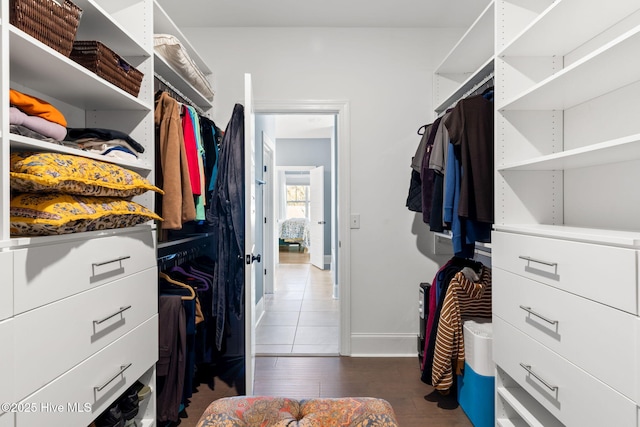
107	64
53	24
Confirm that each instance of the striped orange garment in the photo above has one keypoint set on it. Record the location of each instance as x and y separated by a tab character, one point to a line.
464	298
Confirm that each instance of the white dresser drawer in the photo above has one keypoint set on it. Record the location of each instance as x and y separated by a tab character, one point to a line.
6	285
579	400
586	333
7	369
70	330
44	274
136	351
637	335
602	273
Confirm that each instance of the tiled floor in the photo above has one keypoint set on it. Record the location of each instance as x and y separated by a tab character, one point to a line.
301	317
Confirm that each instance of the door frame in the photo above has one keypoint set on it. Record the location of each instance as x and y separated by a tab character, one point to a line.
343	200
316	180
268	146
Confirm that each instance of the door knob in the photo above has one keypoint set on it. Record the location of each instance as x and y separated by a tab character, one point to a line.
251	258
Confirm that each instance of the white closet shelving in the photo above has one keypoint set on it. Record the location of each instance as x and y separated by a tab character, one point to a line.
38	65
547	34
567	160
7	326
163	24
468	62
582	80
91	298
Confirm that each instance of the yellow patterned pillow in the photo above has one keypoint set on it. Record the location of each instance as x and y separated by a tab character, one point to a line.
53	213
65	173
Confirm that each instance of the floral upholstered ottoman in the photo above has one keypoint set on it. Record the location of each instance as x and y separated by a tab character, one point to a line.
244	411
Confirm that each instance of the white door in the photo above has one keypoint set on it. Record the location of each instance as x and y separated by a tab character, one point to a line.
249	233
316	215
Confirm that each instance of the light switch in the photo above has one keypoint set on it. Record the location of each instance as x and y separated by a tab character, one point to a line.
355	220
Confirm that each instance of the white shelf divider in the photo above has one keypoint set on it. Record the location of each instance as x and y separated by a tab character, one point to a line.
23	143
474	47
617	150
505	422
527	407
478	76
17	242
583	80
163	68
548	36
36	65
163	24
96	24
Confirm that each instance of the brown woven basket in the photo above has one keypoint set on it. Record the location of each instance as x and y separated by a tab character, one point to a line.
107	64
53	24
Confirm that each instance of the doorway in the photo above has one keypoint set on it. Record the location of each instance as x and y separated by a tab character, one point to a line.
300	308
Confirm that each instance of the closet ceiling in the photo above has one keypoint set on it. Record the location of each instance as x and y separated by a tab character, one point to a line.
324	13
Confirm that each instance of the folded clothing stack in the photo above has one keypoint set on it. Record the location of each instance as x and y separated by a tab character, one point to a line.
108	142
36	115
35	118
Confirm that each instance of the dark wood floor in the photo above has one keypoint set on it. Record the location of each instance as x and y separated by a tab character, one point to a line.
395	379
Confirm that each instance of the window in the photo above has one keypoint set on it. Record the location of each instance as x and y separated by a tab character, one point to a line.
297	201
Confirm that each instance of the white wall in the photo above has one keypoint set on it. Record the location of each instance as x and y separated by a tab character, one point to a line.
385	74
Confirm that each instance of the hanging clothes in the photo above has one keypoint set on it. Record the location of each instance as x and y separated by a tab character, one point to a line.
438	164
464	298
170	369
426	174
462	247
431	313
228	220
192	285
191	150
211	139
414	198
437	294
201	197
471	128
176	206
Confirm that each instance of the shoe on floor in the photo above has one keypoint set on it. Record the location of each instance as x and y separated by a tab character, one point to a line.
112	417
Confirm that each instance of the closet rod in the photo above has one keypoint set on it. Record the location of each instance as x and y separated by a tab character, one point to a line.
180	94
473	89
184	240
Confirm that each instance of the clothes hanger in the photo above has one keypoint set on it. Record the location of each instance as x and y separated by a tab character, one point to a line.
487	90
202	283
182	285
199	271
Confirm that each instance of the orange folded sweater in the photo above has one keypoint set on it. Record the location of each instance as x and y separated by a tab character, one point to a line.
36	107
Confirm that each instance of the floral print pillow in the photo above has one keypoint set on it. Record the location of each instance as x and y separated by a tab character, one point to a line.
33	214
66	173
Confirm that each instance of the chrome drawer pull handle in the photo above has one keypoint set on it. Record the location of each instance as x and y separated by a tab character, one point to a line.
528	258
546	384
546	319
97	264
122	310
120	372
